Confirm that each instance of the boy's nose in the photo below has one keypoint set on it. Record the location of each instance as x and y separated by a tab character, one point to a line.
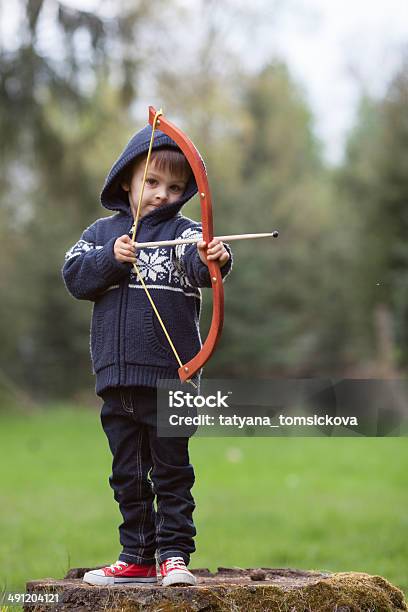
162	195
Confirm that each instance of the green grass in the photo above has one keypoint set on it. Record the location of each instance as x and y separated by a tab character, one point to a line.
337	504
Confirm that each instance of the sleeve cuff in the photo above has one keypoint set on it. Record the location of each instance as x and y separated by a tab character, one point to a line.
226	269
203	272
107	264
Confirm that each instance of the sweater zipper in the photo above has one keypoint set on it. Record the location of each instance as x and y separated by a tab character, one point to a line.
122	327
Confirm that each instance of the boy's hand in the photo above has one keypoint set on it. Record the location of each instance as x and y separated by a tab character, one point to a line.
215	250
124	249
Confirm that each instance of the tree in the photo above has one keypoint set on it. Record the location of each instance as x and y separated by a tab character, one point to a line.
374	183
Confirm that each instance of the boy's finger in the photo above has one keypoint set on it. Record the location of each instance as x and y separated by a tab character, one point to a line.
214	243
216	249
220	254
201	244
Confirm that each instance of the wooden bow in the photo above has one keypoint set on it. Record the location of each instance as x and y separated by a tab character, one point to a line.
187	370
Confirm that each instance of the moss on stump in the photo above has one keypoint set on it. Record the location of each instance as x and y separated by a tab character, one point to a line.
229	589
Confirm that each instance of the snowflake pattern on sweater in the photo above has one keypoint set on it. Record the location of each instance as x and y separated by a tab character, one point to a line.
163	265
153	265
82	246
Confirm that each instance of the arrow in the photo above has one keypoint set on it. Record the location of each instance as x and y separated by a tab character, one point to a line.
141	245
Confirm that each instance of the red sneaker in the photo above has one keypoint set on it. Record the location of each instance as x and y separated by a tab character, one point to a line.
174	571
122	572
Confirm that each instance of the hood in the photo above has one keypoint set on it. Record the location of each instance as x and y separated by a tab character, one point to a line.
113	197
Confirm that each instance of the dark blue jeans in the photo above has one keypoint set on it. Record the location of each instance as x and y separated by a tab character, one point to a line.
146	467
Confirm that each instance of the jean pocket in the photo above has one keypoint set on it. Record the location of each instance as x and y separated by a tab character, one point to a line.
126	401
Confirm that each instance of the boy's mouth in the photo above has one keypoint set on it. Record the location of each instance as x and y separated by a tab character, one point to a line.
158	205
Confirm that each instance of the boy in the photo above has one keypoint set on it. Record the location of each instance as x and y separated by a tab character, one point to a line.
130	353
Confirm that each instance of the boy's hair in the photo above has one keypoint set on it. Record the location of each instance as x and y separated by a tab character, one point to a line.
164	158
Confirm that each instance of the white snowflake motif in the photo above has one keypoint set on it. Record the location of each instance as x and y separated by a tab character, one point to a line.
82	246
190	232
179	277
152	265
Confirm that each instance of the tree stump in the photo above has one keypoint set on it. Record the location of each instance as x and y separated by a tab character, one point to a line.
227	590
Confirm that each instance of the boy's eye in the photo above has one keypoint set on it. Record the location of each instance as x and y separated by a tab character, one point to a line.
175	188
151	181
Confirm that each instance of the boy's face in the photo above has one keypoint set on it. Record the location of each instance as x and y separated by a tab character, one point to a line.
161	187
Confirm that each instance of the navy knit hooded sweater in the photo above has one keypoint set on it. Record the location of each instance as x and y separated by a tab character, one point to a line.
128	346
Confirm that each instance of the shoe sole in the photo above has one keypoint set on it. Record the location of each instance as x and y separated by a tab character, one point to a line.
179	578
96	580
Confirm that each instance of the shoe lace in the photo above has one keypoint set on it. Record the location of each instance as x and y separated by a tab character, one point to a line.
175	563
119	565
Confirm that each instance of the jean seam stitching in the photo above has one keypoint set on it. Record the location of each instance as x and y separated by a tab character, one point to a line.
124	403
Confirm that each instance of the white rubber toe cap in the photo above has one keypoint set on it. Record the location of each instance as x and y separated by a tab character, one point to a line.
98	577
180	577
